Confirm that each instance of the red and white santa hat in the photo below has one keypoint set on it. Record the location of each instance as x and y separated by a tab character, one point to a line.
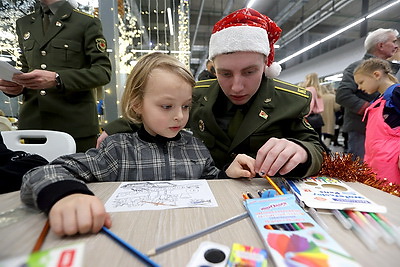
246	30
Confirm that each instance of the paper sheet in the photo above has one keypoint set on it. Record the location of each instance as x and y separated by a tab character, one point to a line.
7	71
159	195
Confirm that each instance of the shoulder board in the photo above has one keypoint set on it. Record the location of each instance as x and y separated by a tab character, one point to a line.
83	13
204	83
291	88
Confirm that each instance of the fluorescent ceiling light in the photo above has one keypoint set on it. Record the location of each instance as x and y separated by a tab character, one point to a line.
251	3
171	26
338	32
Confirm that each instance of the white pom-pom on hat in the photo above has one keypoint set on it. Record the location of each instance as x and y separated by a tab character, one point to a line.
273	71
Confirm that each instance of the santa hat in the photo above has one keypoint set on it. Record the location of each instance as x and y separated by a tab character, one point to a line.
246	30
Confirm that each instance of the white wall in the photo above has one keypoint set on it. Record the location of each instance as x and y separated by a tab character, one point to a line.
329	63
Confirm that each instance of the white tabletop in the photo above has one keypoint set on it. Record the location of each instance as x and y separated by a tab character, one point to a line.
146	230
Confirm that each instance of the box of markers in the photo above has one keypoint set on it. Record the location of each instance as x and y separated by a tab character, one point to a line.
292	237
242	255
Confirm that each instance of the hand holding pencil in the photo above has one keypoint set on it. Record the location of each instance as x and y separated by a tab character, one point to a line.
78	213
279	155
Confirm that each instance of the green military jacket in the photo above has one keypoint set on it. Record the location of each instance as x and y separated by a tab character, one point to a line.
75	48
277	111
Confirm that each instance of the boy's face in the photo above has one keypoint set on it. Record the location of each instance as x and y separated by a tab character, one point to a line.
366	83
166	103
239	74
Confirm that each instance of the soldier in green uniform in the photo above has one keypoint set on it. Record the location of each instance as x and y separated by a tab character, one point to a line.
243	111
63	58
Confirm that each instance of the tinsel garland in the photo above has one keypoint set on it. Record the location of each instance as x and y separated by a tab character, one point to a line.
344	167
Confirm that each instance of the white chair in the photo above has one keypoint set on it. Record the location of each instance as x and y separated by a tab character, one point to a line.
5	124
56	144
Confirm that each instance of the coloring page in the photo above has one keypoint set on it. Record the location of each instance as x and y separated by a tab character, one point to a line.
158	195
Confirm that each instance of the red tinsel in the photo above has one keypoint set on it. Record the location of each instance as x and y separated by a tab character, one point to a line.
343	167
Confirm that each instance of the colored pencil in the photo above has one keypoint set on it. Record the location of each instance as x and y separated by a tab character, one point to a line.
198	234
385	235
274	185
360	233
250	195
386	228
130	248
345	223
42	237
313	213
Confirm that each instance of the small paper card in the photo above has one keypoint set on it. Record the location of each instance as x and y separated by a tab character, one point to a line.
71	256
7	71
331	193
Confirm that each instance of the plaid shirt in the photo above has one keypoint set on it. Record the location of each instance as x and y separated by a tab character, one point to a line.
121	157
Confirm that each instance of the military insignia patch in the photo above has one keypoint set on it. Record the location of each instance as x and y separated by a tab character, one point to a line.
263	115
201	125
307	124
101	44
27	35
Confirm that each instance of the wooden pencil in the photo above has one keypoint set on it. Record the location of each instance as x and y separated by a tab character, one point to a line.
42	237
274	185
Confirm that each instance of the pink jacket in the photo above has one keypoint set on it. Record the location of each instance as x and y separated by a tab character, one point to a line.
317	103
382	143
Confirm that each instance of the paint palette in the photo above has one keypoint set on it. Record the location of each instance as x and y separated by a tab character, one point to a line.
210	254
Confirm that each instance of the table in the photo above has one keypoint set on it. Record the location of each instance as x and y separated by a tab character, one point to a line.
146	230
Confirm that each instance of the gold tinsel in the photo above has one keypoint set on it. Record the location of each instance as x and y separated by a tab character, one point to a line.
343	167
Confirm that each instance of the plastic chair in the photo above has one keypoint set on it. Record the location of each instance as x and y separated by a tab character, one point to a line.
55	145
5	124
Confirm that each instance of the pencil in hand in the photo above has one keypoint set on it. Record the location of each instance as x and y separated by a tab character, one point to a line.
42	237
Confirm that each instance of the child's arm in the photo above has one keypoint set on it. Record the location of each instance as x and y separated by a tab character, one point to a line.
78	213
242	166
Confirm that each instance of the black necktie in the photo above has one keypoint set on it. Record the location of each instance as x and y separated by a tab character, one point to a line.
46	18
235	123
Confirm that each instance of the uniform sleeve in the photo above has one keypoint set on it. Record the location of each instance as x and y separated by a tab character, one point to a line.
43	186
347	94
98	72
120	125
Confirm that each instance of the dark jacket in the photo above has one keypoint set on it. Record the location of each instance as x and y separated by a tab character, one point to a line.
75	48
353	100
13	165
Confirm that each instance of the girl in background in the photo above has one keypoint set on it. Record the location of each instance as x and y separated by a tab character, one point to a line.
317	104
382	143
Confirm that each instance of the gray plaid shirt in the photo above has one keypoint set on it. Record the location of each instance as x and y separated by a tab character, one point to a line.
123	157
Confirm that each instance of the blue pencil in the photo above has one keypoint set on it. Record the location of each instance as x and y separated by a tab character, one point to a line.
131	249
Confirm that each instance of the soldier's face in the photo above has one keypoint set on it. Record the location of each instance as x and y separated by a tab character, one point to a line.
239	74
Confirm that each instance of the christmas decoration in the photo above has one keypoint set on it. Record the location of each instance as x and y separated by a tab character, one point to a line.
344	167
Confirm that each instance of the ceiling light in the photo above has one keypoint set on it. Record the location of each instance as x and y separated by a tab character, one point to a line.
250	4
338	32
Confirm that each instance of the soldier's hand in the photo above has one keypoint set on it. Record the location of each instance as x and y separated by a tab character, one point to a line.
279	156
10	88
101	138
36	79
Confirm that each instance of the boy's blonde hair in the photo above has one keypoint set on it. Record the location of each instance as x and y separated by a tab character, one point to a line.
135	85
367	67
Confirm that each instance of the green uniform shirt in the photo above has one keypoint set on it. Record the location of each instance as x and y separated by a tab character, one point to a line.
75	48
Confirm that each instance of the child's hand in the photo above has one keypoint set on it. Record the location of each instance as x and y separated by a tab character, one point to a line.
242	166
78	213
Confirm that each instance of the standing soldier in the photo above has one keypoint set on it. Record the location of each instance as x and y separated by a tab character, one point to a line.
63	58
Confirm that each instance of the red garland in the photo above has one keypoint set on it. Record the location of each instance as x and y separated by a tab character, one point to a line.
342	166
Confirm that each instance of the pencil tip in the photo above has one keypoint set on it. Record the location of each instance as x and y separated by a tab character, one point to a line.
151	252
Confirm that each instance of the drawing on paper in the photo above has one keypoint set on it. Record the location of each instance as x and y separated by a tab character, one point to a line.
149	195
